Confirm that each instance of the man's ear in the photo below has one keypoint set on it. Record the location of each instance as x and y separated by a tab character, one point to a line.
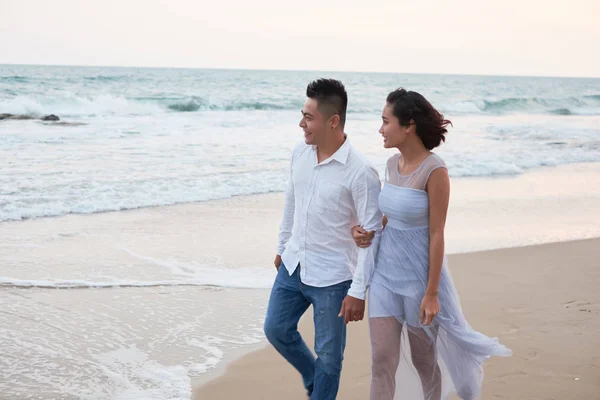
334	121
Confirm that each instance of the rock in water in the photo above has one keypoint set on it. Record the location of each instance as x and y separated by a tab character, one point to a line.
50	117
12	116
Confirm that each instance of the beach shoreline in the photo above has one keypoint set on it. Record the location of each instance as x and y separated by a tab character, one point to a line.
189	283
547	318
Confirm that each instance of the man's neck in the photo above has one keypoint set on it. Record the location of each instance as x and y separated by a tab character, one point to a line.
327	149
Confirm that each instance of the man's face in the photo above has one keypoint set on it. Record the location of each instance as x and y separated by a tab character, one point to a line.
313	123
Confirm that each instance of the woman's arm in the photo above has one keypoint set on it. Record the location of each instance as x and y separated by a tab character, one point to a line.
438	189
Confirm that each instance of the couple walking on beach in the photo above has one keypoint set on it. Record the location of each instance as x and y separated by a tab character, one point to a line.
342	233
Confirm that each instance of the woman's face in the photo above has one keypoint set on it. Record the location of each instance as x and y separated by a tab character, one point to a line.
394	134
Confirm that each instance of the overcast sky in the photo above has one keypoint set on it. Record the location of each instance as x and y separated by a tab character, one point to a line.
509	37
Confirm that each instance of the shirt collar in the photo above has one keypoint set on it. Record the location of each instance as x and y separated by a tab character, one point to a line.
341	155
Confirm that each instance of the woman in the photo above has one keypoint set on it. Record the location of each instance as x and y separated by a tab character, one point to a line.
413	304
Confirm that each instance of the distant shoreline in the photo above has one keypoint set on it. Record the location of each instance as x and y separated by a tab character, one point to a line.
208	68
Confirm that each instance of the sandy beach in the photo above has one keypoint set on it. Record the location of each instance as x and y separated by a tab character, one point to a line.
542	301
157	302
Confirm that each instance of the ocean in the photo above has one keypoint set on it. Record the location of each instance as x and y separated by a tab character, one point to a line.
137	233
140	137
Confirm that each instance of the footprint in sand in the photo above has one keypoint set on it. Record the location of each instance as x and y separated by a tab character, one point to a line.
511	330
583	306
516	310
532	354
513	374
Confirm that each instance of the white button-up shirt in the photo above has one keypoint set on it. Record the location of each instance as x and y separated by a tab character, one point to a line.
323	201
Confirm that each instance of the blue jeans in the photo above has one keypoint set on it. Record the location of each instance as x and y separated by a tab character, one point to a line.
290	298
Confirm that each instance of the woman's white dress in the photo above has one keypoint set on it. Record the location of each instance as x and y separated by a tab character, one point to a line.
399	282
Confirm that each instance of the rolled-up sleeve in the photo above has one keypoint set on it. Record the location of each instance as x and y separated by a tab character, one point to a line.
287	222
365	193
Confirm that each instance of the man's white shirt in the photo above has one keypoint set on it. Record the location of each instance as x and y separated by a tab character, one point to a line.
323	201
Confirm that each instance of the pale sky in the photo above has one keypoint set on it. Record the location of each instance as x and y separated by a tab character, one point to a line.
505	37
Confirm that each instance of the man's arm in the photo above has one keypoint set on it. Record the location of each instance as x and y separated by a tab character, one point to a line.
365	194
287	222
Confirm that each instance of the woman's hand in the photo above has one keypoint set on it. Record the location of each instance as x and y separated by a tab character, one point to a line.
361	237
430	307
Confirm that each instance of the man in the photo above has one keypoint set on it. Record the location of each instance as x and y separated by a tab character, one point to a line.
331	189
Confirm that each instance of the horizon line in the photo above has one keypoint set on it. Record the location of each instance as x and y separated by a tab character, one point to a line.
302	70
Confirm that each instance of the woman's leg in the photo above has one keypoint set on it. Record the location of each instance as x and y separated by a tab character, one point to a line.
385	347
424	358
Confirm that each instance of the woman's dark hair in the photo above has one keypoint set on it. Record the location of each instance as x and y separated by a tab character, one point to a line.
410	106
